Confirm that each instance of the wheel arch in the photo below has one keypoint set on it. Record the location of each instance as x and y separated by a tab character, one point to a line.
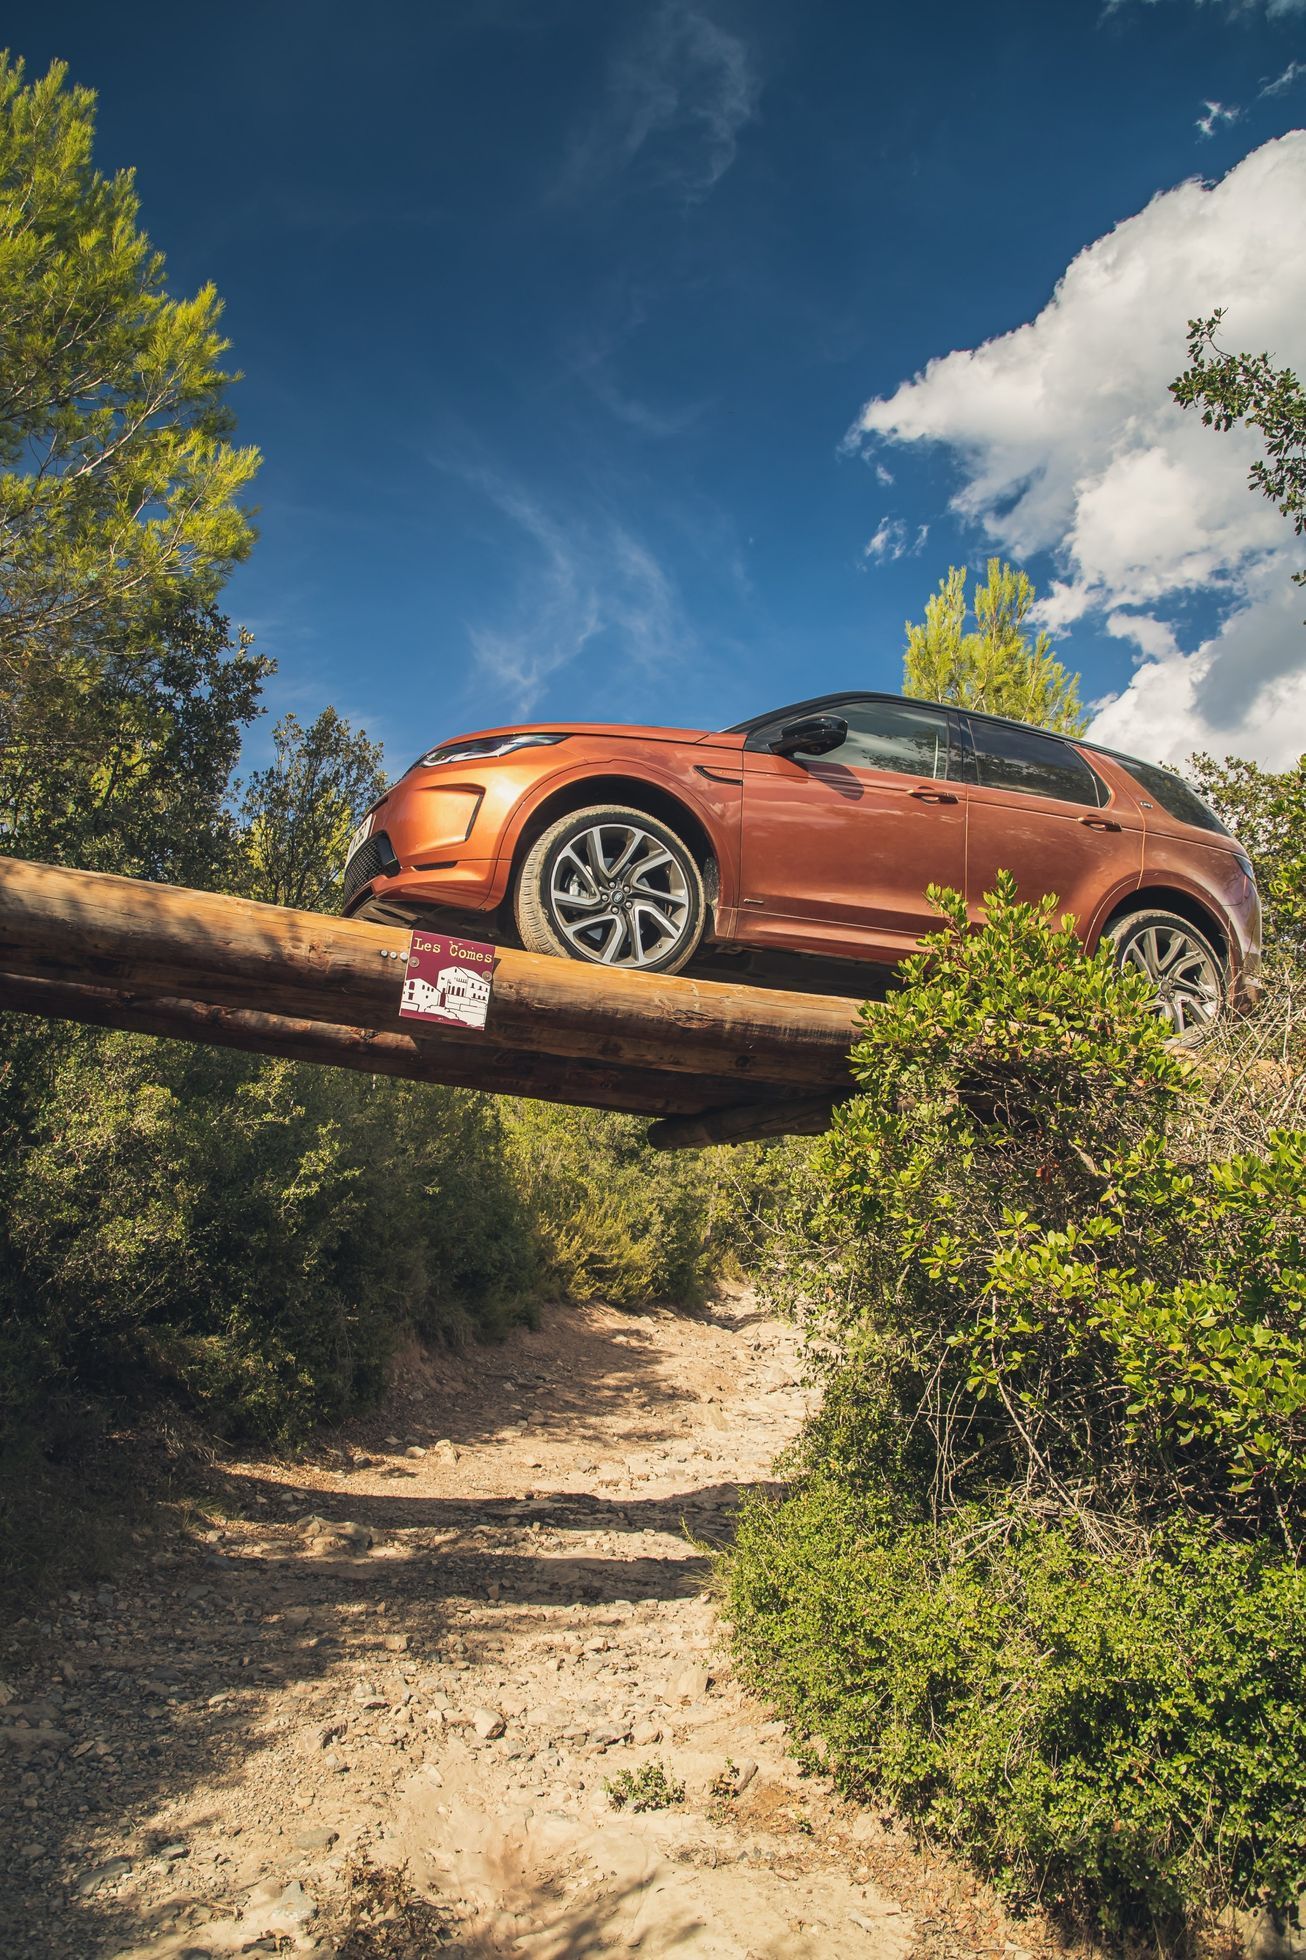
1170	898
636	793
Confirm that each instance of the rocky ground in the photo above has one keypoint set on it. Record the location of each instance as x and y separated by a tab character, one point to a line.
372	1706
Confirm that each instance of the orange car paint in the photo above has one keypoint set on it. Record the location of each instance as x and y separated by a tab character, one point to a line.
810	855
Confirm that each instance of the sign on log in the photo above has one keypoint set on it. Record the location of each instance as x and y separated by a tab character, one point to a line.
448	980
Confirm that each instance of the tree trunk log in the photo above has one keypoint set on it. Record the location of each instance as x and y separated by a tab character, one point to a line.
90	927
590	1085
805	1116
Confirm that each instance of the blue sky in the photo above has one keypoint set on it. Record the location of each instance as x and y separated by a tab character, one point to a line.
556	319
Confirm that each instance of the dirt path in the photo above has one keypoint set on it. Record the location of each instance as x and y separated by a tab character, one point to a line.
429	1651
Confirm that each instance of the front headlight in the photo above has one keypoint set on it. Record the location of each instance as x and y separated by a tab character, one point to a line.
485	747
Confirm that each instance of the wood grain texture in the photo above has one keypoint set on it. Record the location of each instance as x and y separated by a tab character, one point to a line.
90	928
371	1051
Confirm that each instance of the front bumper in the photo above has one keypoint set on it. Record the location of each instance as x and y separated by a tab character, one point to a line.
433	844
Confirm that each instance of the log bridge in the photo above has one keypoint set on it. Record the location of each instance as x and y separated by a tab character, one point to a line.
711	1062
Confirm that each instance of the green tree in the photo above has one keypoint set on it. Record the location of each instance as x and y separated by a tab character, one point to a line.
1266	810
119	490
124	762
298	812
994	666
1248	388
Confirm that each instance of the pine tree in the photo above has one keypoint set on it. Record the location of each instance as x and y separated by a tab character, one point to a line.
994	666
118	487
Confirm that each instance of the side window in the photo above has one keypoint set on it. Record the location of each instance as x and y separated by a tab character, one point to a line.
1177	798
1039	765
891	735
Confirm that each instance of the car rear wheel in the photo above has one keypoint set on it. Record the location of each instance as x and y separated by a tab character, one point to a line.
1181	964
612	886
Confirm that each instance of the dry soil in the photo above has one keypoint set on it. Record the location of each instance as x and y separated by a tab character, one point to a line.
369	1705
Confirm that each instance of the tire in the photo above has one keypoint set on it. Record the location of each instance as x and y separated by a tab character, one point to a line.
655	912
1182	964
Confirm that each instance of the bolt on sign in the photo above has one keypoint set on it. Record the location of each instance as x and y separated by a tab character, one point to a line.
448	980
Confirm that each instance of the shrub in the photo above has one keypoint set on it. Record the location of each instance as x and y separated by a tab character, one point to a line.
1027	1271
245	1236
248	1238
649	1788
1034	1580
1121	1738
617	1220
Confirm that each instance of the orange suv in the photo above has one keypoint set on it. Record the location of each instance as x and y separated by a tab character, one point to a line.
795	849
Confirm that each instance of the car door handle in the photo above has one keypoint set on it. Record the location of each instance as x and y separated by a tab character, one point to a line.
1099	823
932	795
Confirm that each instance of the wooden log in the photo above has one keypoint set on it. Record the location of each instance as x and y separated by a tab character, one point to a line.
806	1116
372	1051
91	927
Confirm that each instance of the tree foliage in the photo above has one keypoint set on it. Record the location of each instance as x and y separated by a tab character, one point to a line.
1037	1575
1266	810
119	488
994	666
1249	389
123	762
298	812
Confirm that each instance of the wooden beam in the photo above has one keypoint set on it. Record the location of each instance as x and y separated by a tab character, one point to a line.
744	1123
90	927
371	1051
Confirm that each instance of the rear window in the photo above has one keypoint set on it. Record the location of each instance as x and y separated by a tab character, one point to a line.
1038	765
1175	796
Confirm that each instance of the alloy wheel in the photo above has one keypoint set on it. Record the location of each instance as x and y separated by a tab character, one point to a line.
619	896
1184	971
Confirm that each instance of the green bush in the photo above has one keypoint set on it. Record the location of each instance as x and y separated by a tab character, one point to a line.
247	1237
647	1788
618	1221
1120	1737
1026	1271
1035	1580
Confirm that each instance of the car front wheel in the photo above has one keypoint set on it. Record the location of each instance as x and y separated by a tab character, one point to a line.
1181	964
612	886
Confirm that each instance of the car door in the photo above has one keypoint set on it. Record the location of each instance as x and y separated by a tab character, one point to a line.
1038	810
836	850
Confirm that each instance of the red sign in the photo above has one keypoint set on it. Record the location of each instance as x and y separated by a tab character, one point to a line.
448	980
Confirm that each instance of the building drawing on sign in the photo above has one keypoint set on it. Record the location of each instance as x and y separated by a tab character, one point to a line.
456	991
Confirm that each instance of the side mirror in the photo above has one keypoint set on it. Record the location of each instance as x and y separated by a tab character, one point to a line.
813	735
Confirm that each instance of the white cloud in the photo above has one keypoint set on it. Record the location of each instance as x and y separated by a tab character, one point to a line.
1151	636
677	97
590	579
1275	9
891	541
1070	443
1282	83
1216	113
1241	693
